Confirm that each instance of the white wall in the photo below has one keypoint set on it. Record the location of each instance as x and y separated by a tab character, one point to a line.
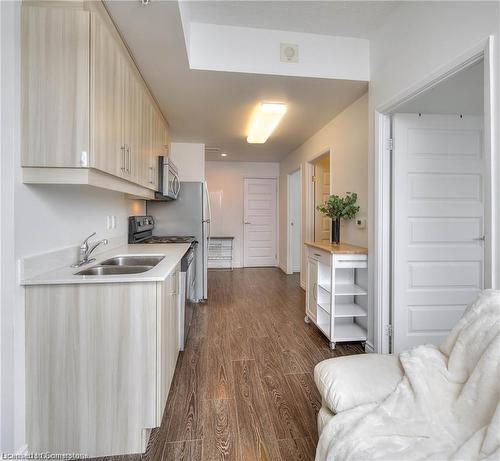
34	219
416	41
347	138
189	158
257	51
225	186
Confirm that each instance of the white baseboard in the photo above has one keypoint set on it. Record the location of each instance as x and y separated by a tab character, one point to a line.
283	268
369	347
303	285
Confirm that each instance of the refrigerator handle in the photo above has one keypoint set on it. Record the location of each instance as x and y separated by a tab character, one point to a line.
208	221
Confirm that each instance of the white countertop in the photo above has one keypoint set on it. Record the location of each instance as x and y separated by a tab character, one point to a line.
172	252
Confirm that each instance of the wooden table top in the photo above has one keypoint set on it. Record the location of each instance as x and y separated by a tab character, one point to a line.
337	249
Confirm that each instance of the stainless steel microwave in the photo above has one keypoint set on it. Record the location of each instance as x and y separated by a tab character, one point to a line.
169	184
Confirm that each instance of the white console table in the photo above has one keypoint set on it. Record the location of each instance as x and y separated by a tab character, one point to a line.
336	291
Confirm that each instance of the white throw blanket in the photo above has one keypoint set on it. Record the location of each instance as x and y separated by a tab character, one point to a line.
445	408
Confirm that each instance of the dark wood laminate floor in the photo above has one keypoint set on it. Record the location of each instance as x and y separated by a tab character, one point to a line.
243	388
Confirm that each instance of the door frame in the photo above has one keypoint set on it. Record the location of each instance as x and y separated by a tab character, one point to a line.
289	258
276	218
308	208
310	198
380	273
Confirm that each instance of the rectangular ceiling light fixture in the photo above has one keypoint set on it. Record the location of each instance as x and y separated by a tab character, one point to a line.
264	120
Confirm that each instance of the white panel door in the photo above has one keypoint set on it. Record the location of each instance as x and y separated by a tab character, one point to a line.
322	228
437	224
259	222
294	217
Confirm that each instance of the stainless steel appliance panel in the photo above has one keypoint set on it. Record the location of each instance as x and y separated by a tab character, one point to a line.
184	216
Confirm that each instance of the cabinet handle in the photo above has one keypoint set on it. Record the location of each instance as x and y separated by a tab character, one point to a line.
315	296
129	164
123	158
151	170
317	254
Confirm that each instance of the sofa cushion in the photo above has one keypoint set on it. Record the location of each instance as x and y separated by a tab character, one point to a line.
346	382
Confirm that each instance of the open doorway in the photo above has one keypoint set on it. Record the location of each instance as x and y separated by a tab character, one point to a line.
294	222
439	197
321	179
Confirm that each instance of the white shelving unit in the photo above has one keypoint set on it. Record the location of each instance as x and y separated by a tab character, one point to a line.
220	253
336	291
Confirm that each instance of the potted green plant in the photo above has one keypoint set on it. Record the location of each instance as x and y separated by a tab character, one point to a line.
337	208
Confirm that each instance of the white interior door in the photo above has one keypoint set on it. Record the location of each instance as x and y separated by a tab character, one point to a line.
438	208
259	222
322	228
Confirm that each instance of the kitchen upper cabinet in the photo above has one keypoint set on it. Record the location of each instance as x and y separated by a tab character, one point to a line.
132	129
108	101
55	90
85	104
149	166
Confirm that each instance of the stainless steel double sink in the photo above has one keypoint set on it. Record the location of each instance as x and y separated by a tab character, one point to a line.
123	265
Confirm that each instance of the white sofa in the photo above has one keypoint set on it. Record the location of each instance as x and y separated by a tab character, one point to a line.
346	382
440	403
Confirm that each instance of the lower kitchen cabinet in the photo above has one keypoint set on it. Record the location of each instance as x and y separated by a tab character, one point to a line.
99	363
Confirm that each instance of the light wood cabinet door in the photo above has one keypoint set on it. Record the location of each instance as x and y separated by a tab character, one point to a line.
150	167
90	367
167	342
132	129
108	81
55	86
156	147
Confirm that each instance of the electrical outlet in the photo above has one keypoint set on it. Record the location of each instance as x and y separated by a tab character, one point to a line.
113	222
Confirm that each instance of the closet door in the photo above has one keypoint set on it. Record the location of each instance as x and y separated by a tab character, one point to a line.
108	80
438	212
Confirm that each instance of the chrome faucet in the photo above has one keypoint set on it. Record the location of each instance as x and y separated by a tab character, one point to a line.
86	250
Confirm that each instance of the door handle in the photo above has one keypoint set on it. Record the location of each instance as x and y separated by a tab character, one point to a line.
246	222
482	238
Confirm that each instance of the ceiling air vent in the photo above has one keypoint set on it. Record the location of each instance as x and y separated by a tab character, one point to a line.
289	52
212	150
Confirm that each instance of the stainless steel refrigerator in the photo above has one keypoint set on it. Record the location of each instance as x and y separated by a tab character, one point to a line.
188	215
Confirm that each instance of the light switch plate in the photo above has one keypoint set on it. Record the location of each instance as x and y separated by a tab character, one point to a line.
360	223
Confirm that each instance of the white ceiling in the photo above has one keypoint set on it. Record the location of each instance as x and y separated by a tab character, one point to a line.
341	18
461	94
214	107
